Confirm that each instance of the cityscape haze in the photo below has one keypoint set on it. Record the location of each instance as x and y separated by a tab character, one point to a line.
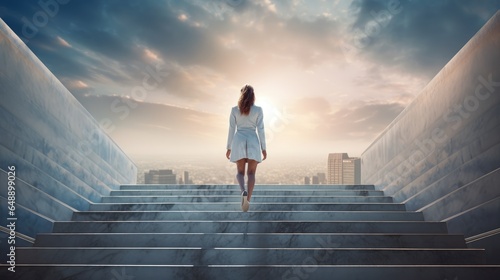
223	172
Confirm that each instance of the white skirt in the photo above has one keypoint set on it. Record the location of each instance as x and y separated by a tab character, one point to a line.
245	144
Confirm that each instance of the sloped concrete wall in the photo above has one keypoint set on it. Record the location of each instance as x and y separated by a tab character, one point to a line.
63	160
441	155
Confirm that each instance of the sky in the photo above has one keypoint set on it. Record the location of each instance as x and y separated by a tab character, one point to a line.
161	76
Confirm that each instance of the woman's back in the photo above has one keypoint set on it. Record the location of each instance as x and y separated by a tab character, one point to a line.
252	120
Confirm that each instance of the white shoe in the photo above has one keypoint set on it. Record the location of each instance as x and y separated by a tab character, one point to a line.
244	202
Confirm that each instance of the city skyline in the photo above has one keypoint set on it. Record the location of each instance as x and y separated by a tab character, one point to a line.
161	77
222	172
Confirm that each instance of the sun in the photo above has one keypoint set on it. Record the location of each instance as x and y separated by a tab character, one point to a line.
267	106
263	95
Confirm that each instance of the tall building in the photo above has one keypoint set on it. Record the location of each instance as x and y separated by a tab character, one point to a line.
352	171
335	169
343	170
163	176
315	180
322	178
307	181
186	178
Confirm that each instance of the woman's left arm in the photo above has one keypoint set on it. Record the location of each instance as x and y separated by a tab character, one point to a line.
260	130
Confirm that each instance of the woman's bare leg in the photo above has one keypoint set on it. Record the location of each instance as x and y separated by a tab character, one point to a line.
240	176
252	168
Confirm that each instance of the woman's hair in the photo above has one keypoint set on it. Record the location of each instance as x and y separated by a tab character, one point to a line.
247	99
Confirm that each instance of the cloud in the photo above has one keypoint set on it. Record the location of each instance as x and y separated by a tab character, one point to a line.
392	85
63	42
310	105
362	120
146	128
421	38
265	34
358	120
114	42
291	51
154	129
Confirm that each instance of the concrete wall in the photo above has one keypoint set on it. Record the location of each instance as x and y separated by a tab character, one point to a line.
63	160
441	155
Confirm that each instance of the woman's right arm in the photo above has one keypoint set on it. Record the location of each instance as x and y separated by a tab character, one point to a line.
260	130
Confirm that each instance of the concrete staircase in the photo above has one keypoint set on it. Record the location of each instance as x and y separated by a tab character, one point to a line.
290	232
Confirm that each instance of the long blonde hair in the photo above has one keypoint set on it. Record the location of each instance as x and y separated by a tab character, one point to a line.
247	99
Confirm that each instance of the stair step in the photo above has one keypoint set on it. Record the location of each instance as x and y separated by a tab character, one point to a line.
250	216
237	192
257	187
251	240
235	206
246	256
236	198
308	269
250	226
290	232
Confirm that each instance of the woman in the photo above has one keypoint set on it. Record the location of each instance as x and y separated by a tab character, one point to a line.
244	147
